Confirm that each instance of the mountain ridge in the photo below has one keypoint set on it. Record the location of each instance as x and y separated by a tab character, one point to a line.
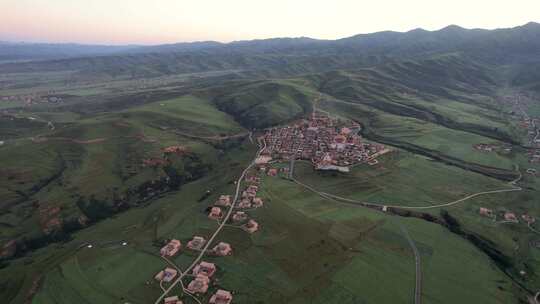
20	50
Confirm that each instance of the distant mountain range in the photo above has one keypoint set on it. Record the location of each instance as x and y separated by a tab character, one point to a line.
29	51
450	38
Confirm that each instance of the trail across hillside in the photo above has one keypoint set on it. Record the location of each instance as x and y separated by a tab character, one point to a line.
218	230
214	137
355	202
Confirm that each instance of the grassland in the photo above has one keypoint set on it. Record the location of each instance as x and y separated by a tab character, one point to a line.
309	249
401	179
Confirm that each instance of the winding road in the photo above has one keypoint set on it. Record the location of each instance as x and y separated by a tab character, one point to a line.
218	230
343	199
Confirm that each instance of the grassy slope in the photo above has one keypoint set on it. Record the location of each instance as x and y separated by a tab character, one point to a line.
449	91
263	103
402	179
61	170
308	251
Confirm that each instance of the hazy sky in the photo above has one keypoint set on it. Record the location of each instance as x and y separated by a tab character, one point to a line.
166	21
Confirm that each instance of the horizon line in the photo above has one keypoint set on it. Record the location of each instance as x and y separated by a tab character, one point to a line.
30	41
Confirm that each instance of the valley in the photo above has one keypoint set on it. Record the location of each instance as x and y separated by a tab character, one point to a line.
107	159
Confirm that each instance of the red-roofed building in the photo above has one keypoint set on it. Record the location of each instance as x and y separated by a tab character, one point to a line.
257	202
172	300
509	216
171	248
197	243
199	284
272	172
222	249
221	297
215	213
239	216
251	226
224	200
204	268
486	212
166	275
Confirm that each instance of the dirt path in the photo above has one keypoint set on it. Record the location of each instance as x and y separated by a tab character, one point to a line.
324	194
40	139
214	137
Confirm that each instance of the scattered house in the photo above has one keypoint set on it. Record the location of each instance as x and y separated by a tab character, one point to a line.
222	249
373	162
239	216
172	300
221	297
204	268
199	284
166	275
224	200
528	219
272	172
171	248
485	147
257	202
244	203
251	226
263	159
245	194
215	213
332	168
197	243
252	189
174	149
486	212
509	216
253	179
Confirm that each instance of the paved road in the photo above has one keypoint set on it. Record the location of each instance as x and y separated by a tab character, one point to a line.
418	266
218	230
291	168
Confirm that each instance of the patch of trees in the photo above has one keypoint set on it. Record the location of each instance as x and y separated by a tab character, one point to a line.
188	168
504	262
95	209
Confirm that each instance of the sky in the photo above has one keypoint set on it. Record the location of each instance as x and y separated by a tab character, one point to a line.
170	21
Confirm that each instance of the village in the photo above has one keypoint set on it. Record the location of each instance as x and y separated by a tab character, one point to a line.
328	143
531	125
34	98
